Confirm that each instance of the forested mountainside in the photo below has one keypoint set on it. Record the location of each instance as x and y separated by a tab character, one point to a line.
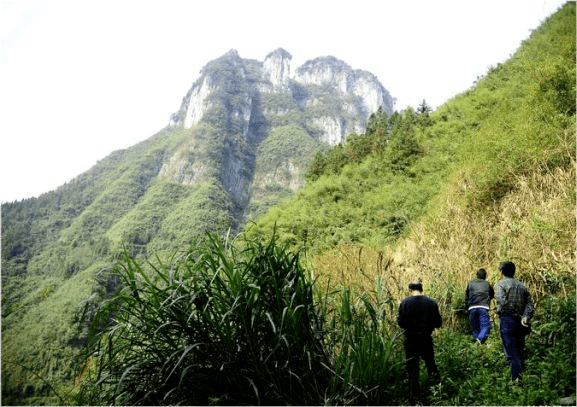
516	120
488	176
239	143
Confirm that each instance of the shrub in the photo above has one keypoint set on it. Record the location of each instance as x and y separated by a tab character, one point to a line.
369	361
218	325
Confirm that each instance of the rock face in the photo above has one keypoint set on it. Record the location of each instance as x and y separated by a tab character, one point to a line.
236	103
333	72
360	91
276	69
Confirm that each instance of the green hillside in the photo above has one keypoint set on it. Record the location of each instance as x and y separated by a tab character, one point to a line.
244	153
488	176
517	119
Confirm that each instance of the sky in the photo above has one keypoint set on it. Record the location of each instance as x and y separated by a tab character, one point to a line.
80	79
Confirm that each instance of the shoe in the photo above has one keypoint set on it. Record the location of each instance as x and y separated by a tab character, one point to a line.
479	342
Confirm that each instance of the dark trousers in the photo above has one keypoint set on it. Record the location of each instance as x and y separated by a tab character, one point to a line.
513	338
417	347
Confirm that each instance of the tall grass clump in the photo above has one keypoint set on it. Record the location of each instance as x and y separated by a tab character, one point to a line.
366	343
222	324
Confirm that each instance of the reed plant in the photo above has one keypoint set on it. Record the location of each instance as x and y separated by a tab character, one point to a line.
220	324
367	348
240	323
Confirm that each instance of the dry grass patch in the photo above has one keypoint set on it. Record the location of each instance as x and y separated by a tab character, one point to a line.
533	225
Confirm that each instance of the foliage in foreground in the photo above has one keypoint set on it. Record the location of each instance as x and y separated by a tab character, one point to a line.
264	331
220	325
230	325
239	324
480	375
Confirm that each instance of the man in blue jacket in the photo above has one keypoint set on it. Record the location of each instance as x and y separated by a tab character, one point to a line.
478	296
419	316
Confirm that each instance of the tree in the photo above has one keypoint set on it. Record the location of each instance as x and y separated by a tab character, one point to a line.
423	111
404	146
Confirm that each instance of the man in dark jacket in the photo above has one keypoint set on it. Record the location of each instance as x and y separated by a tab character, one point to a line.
515	308
478	296
419	316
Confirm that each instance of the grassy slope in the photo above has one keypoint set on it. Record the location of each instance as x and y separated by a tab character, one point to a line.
497	182
512	195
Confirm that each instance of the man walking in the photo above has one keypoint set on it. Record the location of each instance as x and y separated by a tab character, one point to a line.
419	316
478	296
515	309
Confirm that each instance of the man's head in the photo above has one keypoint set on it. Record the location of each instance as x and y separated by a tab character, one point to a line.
416	286
482	274
507	268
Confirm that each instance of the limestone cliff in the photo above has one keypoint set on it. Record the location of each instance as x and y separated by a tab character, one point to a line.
322	82
237	103
276	69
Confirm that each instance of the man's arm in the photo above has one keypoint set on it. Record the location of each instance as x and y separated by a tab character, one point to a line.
500	297
529	307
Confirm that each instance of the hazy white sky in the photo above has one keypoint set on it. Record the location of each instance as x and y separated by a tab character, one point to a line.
80	79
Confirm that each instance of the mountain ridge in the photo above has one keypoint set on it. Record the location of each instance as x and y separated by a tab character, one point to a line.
246	100
59	250
274	74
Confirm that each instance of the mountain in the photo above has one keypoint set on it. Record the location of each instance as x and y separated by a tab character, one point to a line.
486	177
239	144
253	108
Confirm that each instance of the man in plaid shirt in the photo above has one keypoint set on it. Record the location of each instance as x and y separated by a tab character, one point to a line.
515	308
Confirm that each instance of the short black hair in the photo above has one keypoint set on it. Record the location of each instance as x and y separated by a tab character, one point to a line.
416	286
482	274
507	268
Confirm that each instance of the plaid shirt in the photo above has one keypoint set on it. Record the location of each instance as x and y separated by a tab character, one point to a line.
513	298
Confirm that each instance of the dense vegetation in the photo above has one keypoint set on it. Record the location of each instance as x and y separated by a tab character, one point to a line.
276	178
216	323
241	323
432	195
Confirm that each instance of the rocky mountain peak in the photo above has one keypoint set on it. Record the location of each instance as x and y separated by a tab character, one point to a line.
326	70
334	98
231	54
331	72
276	68
321	64
279	53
